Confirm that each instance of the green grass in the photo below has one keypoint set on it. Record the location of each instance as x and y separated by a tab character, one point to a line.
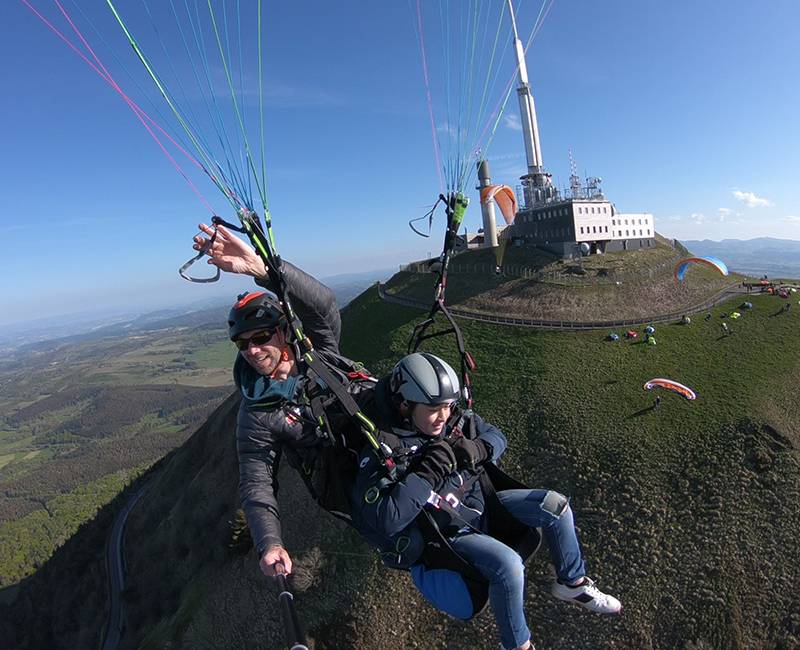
214	355
692	497
733	376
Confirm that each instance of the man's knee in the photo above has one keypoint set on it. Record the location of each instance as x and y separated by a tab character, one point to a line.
555	503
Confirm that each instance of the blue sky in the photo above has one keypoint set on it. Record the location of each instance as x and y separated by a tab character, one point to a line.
686	110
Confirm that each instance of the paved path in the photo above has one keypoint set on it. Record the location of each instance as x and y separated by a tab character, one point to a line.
115	564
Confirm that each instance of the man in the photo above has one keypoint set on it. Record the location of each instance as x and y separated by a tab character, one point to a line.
438	463
274	418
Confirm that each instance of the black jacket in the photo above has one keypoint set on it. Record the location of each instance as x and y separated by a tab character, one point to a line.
386	517
281	423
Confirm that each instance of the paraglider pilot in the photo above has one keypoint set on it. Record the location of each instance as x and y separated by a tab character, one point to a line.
266	373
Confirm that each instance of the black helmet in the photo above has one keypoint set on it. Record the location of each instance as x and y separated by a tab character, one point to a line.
425	379
254	311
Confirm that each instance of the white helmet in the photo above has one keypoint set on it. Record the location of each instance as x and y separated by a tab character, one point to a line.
425	379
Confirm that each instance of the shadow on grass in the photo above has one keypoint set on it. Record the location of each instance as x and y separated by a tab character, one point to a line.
641	412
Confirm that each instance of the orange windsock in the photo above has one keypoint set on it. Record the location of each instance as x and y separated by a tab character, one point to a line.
505	199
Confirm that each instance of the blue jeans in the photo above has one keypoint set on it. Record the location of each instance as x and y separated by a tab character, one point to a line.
502	566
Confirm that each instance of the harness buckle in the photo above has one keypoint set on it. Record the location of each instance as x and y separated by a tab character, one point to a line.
436	500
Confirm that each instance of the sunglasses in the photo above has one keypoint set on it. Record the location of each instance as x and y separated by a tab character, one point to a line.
257	339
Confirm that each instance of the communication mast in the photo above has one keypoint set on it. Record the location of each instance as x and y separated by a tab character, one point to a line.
576	190
538	186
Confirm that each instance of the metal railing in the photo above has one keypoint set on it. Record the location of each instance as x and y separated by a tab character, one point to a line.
721	296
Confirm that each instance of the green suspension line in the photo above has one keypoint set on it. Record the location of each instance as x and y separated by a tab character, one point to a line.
209	163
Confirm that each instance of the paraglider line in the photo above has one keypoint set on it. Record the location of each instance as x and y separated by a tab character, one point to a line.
137	110
437	155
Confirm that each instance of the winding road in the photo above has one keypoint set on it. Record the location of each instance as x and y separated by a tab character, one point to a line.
115	564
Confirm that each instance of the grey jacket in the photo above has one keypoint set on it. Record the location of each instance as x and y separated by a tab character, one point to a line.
280	423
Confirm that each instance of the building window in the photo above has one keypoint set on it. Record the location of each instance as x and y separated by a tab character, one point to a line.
581	230
606	228
648	232
626	233
626	222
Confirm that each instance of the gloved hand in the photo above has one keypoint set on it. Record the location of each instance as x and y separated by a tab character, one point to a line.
469	453
435	463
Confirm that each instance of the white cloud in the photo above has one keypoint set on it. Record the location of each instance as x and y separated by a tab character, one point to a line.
512	122
698	217
791	219
750	199
723	213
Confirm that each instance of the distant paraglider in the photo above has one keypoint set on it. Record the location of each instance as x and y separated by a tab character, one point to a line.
669	384
713	262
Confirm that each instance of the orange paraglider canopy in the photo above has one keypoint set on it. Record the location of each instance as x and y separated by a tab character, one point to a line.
669	384
505	198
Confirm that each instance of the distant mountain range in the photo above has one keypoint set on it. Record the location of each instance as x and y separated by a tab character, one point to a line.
85	326
777	258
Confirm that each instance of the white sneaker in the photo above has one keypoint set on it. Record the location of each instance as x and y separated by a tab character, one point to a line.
587	596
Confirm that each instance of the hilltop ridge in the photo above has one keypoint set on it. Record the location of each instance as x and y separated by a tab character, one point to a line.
634	285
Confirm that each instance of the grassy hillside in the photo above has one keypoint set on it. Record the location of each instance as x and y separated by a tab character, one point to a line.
614	286
689	513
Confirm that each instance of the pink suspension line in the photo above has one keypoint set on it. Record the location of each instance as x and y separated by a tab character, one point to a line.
430	101
142	116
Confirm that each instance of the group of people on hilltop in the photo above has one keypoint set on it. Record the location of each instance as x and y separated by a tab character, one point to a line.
440	453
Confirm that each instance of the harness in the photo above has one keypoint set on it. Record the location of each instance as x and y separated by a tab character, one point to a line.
455	207
439	517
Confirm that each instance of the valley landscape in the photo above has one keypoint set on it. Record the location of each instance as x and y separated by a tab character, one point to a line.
676	507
